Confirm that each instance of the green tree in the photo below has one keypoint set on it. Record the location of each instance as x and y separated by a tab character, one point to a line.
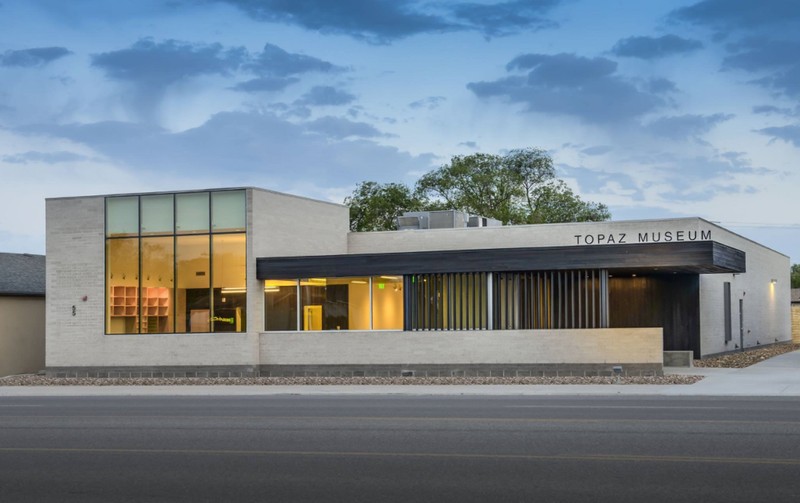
554	202
374	206
795	275
479	184
518	188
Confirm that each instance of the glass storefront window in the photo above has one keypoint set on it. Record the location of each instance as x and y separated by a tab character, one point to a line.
157	214
191	213
158	262
334	303
193	286
160	279
228	211
387	303
280	305
122	283
122	216
229	266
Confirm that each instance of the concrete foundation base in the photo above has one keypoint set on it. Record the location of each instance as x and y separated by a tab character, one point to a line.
386	370
455	370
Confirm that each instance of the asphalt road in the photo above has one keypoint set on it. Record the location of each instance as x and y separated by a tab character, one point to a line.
403	449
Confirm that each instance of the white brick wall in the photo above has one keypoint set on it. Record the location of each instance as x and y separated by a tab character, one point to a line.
597	346
767	317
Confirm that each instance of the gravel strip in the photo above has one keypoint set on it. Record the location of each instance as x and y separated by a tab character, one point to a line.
748	357
36	380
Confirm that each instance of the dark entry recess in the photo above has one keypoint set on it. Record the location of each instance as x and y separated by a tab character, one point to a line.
669	301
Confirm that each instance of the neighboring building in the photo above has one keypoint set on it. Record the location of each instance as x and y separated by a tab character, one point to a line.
22	308
796	315
249	281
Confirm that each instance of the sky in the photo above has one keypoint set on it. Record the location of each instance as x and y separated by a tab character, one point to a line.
658	109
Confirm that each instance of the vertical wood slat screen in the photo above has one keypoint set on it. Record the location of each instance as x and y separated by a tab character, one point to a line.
450	301
550	299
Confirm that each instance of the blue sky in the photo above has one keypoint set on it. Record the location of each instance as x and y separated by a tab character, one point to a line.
657	109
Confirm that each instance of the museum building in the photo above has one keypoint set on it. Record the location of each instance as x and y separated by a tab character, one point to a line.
247	281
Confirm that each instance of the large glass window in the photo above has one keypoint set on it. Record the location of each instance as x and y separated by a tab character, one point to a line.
334	303
193	286
157	214
387	303
165	272
122	216
229	265
227	211
158	263
191	213
280	304
122	278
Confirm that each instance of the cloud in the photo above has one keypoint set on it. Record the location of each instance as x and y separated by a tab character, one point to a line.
765	37
248	148
566	84
429	103
384	21
682	127
773	110
28	58
469	144
603	182
325	96
790	133
779	57
654	48
276	62
265	84
739	14
152	67
506	18
156	65
375	21
597	150
44	157
339	128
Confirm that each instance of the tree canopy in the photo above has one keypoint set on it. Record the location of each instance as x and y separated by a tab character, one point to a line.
518	188
795	275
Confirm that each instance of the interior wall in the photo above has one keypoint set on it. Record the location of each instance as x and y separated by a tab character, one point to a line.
668	301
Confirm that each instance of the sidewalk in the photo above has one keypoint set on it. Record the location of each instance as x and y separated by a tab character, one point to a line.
778	376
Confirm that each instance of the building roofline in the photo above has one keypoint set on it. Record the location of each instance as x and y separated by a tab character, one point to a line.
189	191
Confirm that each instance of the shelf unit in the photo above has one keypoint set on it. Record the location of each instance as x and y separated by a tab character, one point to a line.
124	309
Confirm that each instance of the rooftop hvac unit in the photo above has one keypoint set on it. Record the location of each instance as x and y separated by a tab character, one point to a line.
447	219
412	220
476	221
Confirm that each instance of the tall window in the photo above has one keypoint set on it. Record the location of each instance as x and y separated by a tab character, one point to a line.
176	263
